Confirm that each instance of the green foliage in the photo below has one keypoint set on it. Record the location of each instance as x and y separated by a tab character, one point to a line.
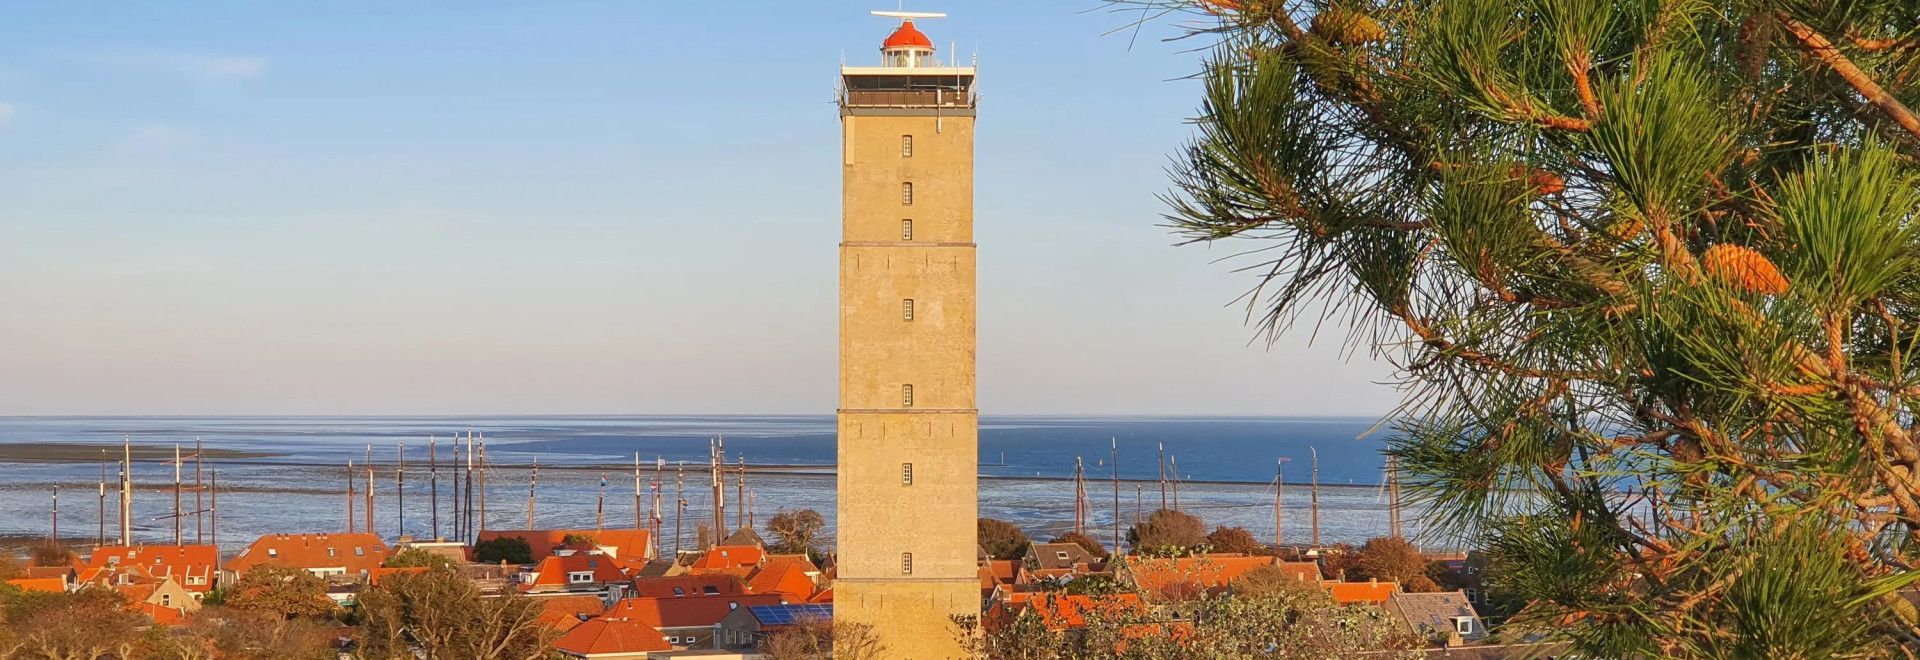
510	549
444	615
1647	270
577	539
1168	533
794	532
281	590
416	558
1236	540
1001	539
1395	559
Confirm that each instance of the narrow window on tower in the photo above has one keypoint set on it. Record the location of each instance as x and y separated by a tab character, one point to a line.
906	309
906	474
906	146
906	230
906	194
906	396
906	563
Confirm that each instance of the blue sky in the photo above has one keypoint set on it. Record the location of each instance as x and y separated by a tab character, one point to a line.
579	206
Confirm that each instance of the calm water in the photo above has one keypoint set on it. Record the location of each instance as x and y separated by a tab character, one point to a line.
1229	462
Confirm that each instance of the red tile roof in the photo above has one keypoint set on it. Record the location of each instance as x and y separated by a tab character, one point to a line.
688	585
166	616
825	596
380	573
608	635
1185	577
1349	593
787	575
564	613
555	570
1059	611
1301	570
183	562
356	553
996	572
723	557
687	612
55	585
622	543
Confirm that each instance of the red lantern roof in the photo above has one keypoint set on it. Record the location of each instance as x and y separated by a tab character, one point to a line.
907	37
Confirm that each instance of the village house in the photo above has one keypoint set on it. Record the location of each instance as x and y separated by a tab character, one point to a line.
337	558
731	559
793	577
195	567
163	593
1444	617
572	570
1184	578
565	612
746	627
687	622
1001	575
47	584
1059	611
611	638
1371	592
680	586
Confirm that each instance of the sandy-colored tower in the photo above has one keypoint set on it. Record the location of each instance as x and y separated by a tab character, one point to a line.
909	442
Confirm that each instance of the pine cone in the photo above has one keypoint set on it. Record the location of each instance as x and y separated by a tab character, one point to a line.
1346	27
1744	269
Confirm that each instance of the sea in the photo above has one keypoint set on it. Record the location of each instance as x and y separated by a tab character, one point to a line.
296	482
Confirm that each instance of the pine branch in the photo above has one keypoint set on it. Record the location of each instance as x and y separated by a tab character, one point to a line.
1817	45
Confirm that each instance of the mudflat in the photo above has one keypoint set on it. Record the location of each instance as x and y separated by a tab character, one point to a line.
87	452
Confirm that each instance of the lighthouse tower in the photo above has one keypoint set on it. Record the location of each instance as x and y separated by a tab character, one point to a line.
908	428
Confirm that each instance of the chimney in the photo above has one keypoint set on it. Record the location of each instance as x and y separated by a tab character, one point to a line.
1375	582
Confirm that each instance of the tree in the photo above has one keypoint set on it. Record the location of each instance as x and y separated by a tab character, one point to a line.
1002	539
572	538
10	567
1235	539
416	558
1268	580
1390	558
510	549
78	625
820	638
1646	269
794	532
231	634
281	590
443	614
1085	542
50	553
1167	532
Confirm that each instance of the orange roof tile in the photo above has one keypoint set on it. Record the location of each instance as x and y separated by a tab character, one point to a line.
556	570
564	613
184	562
1189	576
382	572
1349	593
1302	570
723	557
1059	611
607	635
621	543
714	584
357	553
825	596
55	585
687	612
166	616
785	574
996	572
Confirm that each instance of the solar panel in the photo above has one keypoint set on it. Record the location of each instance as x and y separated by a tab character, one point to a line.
784	615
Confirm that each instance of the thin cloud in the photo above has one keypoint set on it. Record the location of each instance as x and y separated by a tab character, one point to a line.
156	139
197	68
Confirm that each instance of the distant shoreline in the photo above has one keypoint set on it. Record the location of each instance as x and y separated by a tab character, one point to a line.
88	452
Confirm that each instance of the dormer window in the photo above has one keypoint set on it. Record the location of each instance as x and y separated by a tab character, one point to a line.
1463	625
1061	554
712	590
273	552
580	577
